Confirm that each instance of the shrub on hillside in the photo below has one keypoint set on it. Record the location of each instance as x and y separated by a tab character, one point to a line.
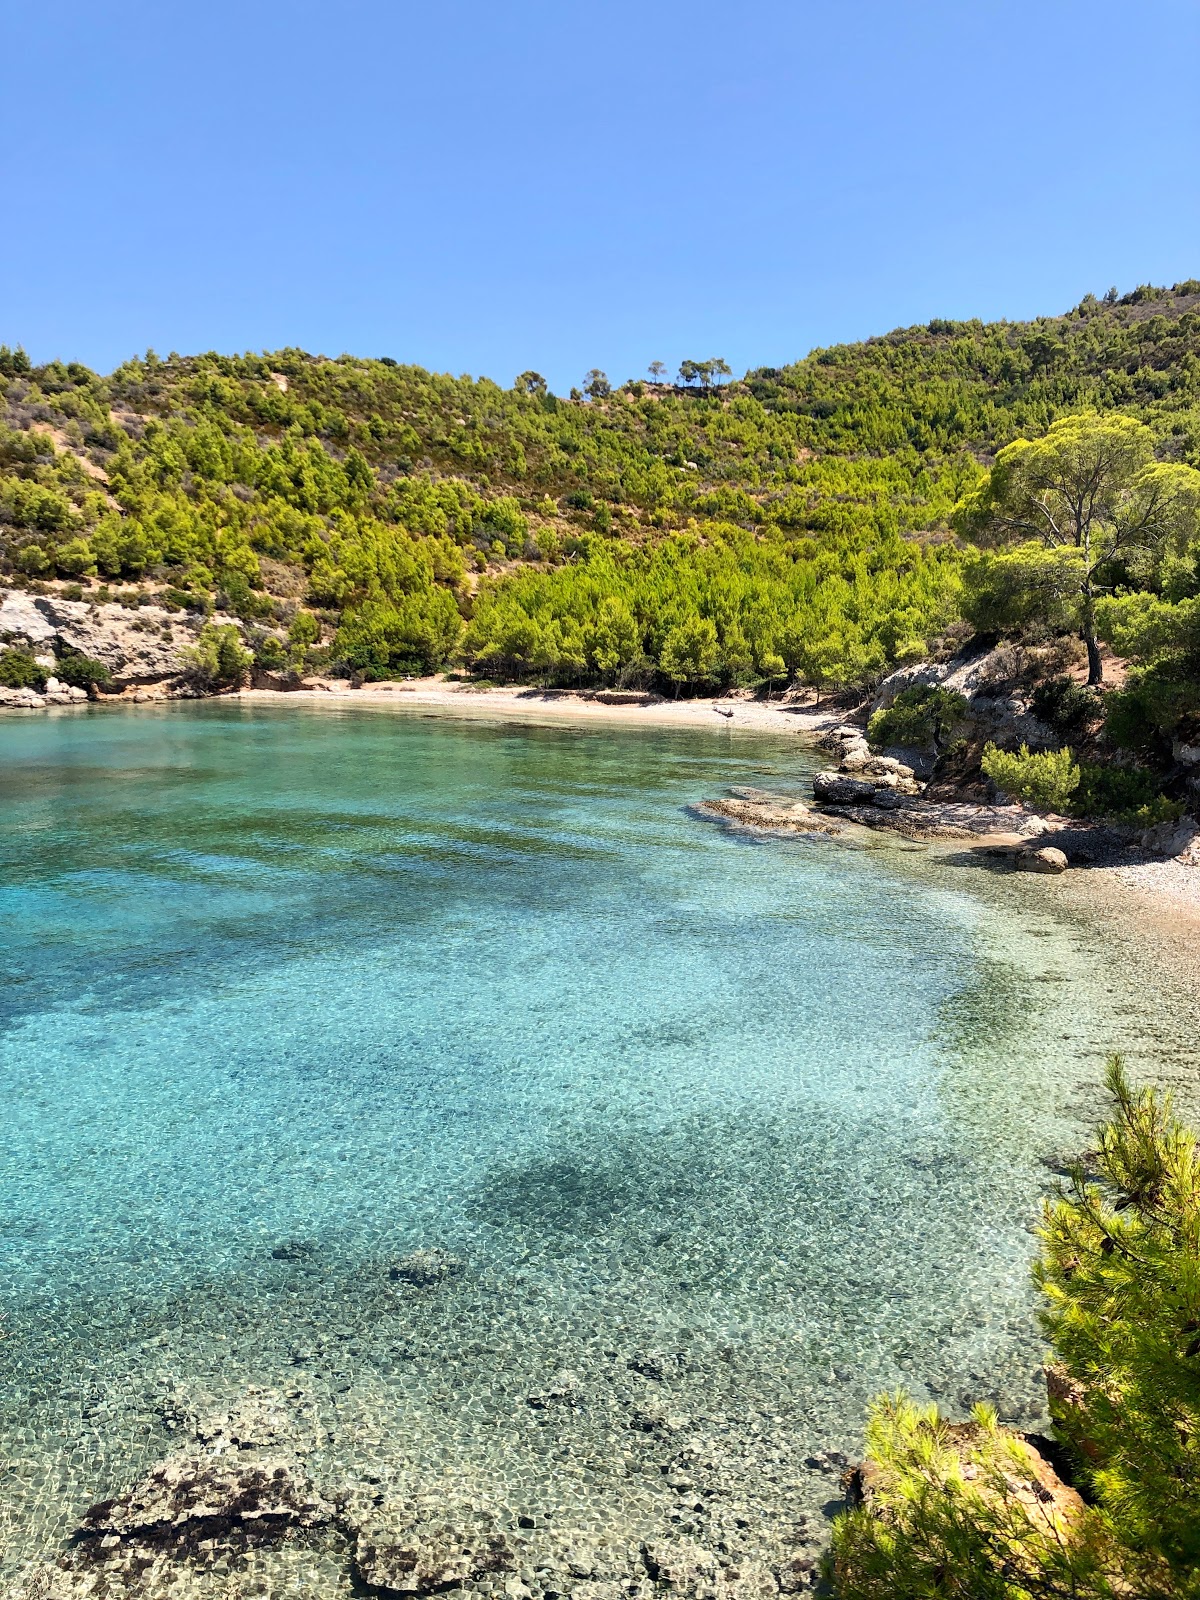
1122	794
1046	778
1071	709
18	670
218	659
921	717
80	671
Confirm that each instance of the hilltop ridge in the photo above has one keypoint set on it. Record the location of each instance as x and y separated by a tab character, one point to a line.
362	516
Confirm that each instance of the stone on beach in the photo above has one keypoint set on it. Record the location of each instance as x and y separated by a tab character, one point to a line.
1046	859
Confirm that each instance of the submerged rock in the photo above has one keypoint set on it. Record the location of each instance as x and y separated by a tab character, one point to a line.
563	1389
221	1492
403	1551
424	1269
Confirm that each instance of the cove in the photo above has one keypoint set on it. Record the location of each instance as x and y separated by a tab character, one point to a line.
727	1134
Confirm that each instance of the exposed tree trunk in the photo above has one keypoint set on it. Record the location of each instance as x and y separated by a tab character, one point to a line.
1088	631
1095	665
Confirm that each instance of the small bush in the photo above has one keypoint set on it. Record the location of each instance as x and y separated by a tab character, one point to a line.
963	1510
1046	778
18	670
1072	710
80	671
218	659
921	717
1122	794
270	653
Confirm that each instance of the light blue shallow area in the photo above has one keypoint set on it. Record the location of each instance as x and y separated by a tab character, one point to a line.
338	985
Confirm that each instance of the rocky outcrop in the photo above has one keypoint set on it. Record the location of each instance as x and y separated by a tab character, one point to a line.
54	694
752	808
995	710
1178	841
141	647
862	777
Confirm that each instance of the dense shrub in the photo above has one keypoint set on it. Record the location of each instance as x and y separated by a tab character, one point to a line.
80	671
19	670
1046	778
921	716
218	659
1072	710
1122	794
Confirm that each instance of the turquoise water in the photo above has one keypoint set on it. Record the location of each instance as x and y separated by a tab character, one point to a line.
735	1132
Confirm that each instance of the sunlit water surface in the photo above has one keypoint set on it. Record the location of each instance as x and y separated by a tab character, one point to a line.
735	1132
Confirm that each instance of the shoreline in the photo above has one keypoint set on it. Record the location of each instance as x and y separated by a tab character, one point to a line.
563	705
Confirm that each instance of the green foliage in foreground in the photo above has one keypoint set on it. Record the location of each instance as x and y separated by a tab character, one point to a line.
1046	778
957	1511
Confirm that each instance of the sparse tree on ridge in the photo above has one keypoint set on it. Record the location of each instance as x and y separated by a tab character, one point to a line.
596	384
657	371
531	383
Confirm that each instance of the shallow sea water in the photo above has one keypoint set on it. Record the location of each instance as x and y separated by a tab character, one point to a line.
729	1133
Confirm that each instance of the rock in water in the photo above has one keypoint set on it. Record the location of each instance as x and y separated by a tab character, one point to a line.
1047	859
218	1491
835	788
424	1269
397	1550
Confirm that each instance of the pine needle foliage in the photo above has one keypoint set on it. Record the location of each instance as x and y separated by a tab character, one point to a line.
1120	1269
968	1510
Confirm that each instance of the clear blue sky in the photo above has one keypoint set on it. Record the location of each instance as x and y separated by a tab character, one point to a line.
542	183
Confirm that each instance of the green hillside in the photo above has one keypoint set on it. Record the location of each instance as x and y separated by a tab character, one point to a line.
796	522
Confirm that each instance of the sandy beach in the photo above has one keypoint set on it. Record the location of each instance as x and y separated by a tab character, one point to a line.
567	705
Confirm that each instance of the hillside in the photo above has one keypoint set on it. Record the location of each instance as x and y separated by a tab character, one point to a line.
363	516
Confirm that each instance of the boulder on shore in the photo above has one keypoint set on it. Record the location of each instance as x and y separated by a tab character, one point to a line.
1046	859
1180	841
836	788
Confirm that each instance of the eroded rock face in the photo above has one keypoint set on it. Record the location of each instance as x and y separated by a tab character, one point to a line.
141	646
981	679
1179	841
